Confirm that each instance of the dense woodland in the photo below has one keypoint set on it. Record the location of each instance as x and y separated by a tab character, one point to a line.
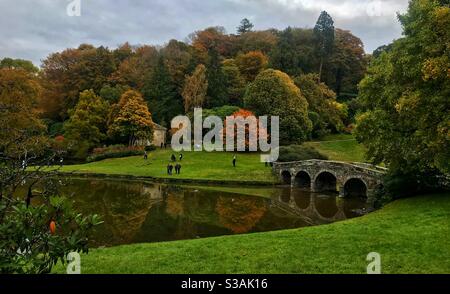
317	80
95	96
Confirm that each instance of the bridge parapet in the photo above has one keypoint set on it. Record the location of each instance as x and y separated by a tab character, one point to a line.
323	175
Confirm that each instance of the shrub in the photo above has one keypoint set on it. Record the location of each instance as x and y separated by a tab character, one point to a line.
28	244
115	151
150	148
299	152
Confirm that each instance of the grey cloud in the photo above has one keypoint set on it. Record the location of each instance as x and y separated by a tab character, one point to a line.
33	29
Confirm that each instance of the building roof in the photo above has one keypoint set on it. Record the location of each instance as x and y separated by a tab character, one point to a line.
159	127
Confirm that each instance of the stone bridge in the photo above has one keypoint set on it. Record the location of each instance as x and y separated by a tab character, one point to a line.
348	179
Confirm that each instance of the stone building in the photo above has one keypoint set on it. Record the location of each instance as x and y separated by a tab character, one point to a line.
159	135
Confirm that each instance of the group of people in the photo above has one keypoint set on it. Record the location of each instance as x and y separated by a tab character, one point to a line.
177	167
171	167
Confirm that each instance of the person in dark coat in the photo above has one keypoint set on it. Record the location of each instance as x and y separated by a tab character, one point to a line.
170	169
234	161
173	158
181	156
178	168
145	155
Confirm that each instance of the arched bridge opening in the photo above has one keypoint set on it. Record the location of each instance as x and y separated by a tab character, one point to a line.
302	180
326	182
355	188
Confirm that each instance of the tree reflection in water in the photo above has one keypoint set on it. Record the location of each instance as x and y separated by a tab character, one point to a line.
135	212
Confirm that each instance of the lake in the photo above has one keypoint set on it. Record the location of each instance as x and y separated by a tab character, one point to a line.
138	212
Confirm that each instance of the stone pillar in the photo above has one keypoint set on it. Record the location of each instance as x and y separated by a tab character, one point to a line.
341	190
371	197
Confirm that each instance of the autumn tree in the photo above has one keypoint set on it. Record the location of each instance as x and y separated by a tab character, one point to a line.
195	89
19	121
274	93
245	27
212	38
251	64
86	127
406	94
324	33
260	132
67	74
136	69
132	120
263	41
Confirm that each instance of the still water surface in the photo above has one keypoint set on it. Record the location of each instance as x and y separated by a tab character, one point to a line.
136	212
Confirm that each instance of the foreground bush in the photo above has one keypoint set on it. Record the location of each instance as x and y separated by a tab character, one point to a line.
115	151
299	152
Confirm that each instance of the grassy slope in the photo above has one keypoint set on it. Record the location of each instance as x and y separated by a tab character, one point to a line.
216	166
412	236
195	165
340	147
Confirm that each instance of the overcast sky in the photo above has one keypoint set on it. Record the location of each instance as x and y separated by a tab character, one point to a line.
32	29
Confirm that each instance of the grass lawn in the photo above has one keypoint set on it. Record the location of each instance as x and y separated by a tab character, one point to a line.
411	235
340	147
214	166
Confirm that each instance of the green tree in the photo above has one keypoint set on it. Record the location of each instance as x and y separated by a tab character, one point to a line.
131	120
406	94
234	82
86	127
195	89
321	100
274	93
18	63
346	66
216	93
112	94
324	33
161	94
245	27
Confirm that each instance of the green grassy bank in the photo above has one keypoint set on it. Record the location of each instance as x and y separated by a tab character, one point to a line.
209	166
411	235
214	166
340	147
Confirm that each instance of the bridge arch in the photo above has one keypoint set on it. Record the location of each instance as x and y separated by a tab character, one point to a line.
286	177
325	181
355	187
302	180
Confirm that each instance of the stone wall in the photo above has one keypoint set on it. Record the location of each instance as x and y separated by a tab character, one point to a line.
371	176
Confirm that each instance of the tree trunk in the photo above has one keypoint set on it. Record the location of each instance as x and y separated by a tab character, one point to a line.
320	69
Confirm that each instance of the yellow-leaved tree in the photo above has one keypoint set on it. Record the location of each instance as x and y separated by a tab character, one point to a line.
130	119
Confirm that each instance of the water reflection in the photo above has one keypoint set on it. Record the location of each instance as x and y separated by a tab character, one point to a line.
135	212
